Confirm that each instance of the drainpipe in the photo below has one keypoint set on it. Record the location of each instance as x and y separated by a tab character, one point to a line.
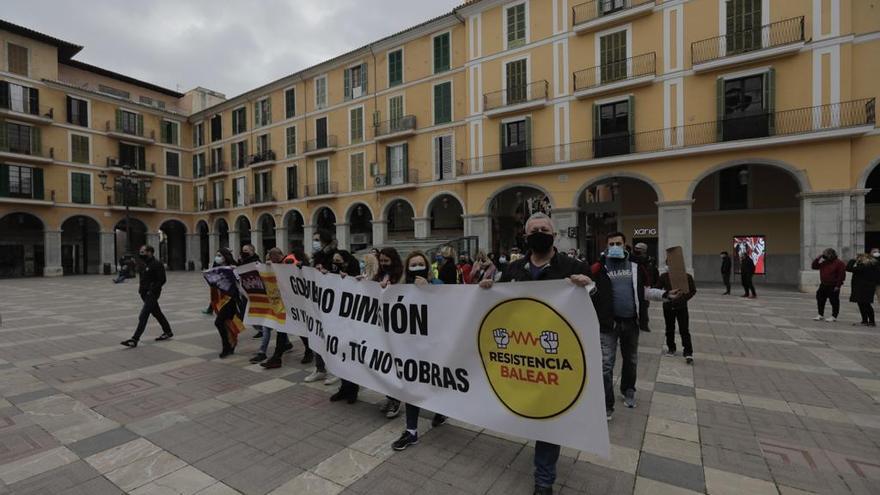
375	112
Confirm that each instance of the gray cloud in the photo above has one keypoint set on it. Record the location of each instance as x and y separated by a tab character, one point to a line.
229	46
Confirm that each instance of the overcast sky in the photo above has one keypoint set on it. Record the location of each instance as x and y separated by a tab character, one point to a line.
229	46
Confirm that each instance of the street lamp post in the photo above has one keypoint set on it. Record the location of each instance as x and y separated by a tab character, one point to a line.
130	179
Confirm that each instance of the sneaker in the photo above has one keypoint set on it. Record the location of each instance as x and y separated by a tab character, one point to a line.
307	357
543	490
670	352
819	318
258	358
226	354
438	420
831	319
338	396
385	406
208	311
331	380
393	410
405	440
129	343
609	413
258	335
689	359
315	376
629	398
271	364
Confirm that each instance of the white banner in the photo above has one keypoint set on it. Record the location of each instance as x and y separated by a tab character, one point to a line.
520	358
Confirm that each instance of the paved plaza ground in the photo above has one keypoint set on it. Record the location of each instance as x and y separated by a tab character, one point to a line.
776	403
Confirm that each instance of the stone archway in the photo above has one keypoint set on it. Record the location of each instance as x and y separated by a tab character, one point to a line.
129	240
445	213
221	229
80	245
295	226
205	254
400	217
22	245
360	225
509	209
172	244
242	233
266	225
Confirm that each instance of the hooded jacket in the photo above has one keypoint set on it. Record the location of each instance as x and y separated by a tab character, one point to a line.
832	273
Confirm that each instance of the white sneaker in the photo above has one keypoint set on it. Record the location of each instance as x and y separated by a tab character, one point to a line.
819	318
315	376
331	379
831	318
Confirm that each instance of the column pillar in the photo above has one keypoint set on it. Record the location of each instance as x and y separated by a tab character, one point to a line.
830	219
380	233
675	228
152	240
213	246
481	226
343	238
193	248
234	243
422	227
257	241
107	247
281	239
565	219
52	248
308	233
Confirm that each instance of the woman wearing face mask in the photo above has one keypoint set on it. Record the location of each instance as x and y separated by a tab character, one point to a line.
390	272
323	249
483	269
371	266
344	264
226	305
419	273
447	271
866	275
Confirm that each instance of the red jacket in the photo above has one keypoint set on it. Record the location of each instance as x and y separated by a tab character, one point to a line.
831	273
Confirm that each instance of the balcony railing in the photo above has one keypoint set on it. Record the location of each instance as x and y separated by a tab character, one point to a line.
217	168
594	9
321	189
21	143
769	36
521	93
856	113
140	167
313	145
131	132
24	108
619	70
213	204
395	126
262	198
263	156
136	199
402	177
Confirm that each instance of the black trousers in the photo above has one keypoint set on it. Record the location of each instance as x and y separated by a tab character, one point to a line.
349	389
678	314
726	278
320	367
748	286
150	307
826	293
282	340
225	314
867	312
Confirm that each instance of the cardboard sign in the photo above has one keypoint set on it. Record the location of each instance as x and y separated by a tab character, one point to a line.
678	276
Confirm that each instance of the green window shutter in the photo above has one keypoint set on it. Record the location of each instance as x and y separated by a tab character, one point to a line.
289	103
234	192
719	109
258	116
269	185
528	127
4	95
36	141
175	130
631	122
387	163
195	199
596	123
140	125
4	132
405	151
441	53
769	99
38	183
501	140
364	78
4	180
118	119
268	116
346	78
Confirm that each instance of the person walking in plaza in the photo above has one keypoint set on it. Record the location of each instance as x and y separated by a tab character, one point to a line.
225	299
344	264
865	271
152	279
282	340
747	272
390	272
323	249
832	275
544	262
677	311
628	293
726	268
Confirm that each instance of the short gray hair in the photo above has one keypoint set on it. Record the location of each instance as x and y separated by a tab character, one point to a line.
541	216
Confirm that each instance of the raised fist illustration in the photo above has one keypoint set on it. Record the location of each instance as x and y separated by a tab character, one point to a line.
549	341
501	337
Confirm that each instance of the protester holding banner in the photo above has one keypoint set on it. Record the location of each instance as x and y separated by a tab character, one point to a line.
371	266
225	299
543	262
323	249
390	272
344	264
282	340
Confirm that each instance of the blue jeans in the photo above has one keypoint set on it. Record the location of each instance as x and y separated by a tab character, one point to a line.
627	332
267	336
546	455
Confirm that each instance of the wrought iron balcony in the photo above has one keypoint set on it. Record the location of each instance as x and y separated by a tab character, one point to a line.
856	116
619	74
24	142
516	98
258	199
407	176
135	198
261	157
130	133
766	40
327	144
218	168
25	111
591	15
399	127
116	165
321	189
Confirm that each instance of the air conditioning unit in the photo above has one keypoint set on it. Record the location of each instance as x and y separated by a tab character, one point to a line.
379	180
112	162
356	92
362	238
374	169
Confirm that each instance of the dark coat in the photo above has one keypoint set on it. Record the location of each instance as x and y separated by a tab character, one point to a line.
747	268
726	266
152	278
681	302
865	277
448	271
324	257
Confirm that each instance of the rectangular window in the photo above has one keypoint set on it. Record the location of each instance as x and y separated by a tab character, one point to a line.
263	187
172	163
239	192
395	111
263	147
79	149
321	133
515	78
21	181
17	59
81	188
356	162
397	164
77	111
441	53
290	103
199	134
355	82
322	172
356	127
443	160
216	159
290	138
262	112
515	144
132	155
239	120
216	128
199	165
516	25
128	123
125	95
219	200
201	198
743	25
239	154
172	196
292	183
321	92
747	107
19	98
614	129
395	68
169	132
443	103
610	6
612	53
21	139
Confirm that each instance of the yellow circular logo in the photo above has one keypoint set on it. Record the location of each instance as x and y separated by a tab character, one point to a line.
532	357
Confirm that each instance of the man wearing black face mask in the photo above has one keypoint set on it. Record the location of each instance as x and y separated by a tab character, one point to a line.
151	282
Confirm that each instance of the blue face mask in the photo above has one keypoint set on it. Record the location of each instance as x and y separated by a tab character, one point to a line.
616	252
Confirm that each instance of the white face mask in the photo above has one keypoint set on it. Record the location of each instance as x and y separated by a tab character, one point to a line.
219	260
502	259
875	254
316	245
415	268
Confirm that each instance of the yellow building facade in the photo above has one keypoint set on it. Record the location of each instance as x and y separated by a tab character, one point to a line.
709	124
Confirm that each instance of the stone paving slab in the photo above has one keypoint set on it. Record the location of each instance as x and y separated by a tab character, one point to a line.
775	403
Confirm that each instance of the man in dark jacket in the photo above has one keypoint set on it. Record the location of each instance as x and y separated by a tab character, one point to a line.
248	255
832	275
678	311
543	262
747	270
726	267
151	282
648	264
